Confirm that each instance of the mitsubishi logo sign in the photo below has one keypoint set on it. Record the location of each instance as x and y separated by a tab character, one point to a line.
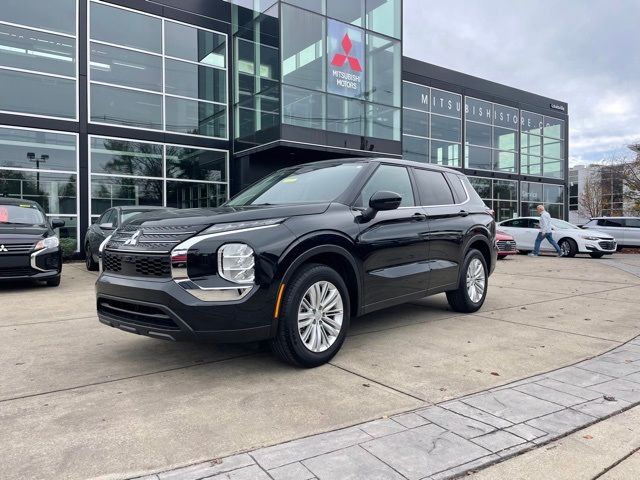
133	241
3	249
339	59
345	72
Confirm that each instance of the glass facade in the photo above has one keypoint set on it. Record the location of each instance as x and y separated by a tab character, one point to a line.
156	74
133	172
38	58
499	195
431	125
534	194
542	151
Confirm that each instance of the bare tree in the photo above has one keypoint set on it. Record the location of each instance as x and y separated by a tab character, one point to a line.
591	202
631	179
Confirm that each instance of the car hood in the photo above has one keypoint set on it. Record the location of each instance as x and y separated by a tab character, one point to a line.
503	236
22	233
209	216
595	233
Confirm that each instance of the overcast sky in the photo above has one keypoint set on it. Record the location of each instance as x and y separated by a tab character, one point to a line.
583	52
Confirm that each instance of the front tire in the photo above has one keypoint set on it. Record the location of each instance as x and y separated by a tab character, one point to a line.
568	247
473	284
596	255
90	263
54	282
314	317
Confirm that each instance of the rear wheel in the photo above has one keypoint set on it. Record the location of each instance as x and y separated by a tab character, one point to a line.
472	288
596	255
92	266
314	317
568	247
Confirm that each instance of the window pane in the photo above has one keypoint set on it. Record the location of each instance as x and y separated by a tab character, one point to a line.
37	94
416	149
478	134
504	116
37	149
195	81
121	157
446	103
415	96
191	43
504	161
195	195
531	192
553	194
432	187
125	67
531	122
124	27
345	115
302	48
68	233
445	128
315	5
107	192
505	190
505	210
389	178
59	15
556	211
302	107
479	158
54	192
553	127
530	165
552	168
349	12
384	59
504	139
531	144
197	118
383	122
126	107
384	16
33	50
478	110
196	164
415	123
553	148
482	186
445	153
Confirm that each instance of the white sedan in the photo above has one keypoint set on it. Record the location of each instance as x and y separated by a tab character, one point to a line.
572	240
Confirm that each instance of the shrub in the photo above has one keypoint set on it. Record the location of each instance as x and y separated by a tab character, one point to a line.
68	247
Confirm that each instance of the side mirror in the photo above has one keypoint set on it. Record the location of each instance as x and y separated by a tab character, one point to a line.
381	201
106	226
57	223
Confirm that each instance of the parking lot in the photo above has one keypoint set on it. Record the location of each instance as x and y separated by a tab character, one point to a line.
79	399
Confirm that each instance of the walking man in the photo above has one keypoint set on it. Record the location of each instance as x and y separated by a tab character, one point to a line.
545	232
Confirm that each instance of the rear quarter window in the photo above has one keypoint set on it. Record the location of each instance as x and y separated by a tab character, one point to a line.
459	193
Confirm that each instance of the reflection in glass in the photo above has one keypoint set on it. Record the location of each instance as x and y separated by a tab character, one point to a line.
384	16
345	115
196	118
383	122
122	157
38	51
478	110
107	192
478	157
302	107
195	195
445	128
506	117
553	194
196	164
37	94
351	12
530	165
553	127
314	5
531	192
194	44
446	103
125	27
504	139
36	149
416	149
415	96
384	70
445	153
195	81
479	134
530	144
55	192
125	67
58	16
504	161
531	122
415	123
482	186
505	210
553	148
126	107
505	190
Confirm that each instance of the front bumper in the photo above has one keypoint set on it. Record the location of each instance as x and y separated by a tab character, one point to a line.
607	247
161	308
40	265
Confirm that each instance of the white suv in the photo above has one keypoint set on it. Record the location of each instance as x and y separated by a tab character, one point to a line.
625	229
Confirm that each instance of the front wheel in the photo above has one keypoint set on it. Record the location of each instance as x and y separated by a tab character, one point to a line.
568	247
54	282
596	255
90	263
314	317
472	288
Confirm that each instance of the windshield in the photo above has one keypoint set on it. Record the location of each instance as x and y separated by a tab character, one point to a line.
25	214
562	225
307	184
126	215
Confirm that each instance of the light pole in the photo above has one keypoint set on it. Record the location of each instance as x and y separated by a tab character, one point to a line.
32	158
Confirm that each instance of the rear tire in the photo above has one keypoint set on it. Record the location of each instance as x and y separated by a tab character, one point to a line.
568	247
596	255
315	305
54	282
90	263
473	284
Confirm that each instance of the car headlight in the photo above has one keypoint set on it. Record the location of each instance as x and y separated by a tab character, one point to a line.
228	227
49	242
236	263
595	239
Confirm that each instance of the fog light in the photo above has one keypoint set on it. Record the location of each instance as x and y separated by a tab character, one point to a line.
236	263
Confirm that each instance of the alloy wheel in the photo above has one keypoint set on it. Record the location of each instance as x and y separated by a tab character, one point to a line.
476	280
320	316
565	248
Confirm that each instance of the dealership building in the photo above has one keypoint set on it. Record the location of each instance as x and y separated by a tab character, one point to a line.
184	102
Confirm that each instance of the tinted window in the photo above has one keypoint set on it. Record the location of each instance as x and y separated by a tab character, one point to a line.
459	194
609	222
103	218
517	223
433	188
388	178
632	222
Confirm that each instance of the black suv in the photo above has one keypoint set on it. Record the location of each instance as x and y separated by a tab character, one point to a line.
296	255
29	248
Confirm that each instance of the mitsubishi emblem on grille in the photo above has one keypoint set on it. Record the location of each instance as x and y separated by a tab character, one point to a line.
3	249
133	241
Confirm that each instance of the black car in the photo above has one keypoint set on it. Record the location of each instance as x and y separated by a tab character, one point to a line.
29	248
105	226
295	256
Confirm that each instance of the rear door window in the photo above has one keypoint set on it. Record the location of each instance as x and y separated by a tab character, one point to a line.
516	223
632	222
433	188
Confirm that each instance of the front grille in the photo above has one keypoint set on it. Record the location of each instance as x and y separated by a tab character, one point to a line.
15	271
16	248
136	265
160	238
506	245
607	244
136	313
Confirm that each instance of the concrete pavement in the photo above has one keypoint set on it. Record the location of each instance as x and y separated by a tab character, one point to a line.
80	400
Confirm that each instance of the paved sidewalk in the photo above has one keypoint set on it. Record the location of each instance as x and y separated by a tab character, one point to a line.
450	438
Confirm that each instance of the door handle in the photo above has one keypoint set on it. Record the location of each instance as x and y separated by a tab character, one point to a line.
419	217
463	213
